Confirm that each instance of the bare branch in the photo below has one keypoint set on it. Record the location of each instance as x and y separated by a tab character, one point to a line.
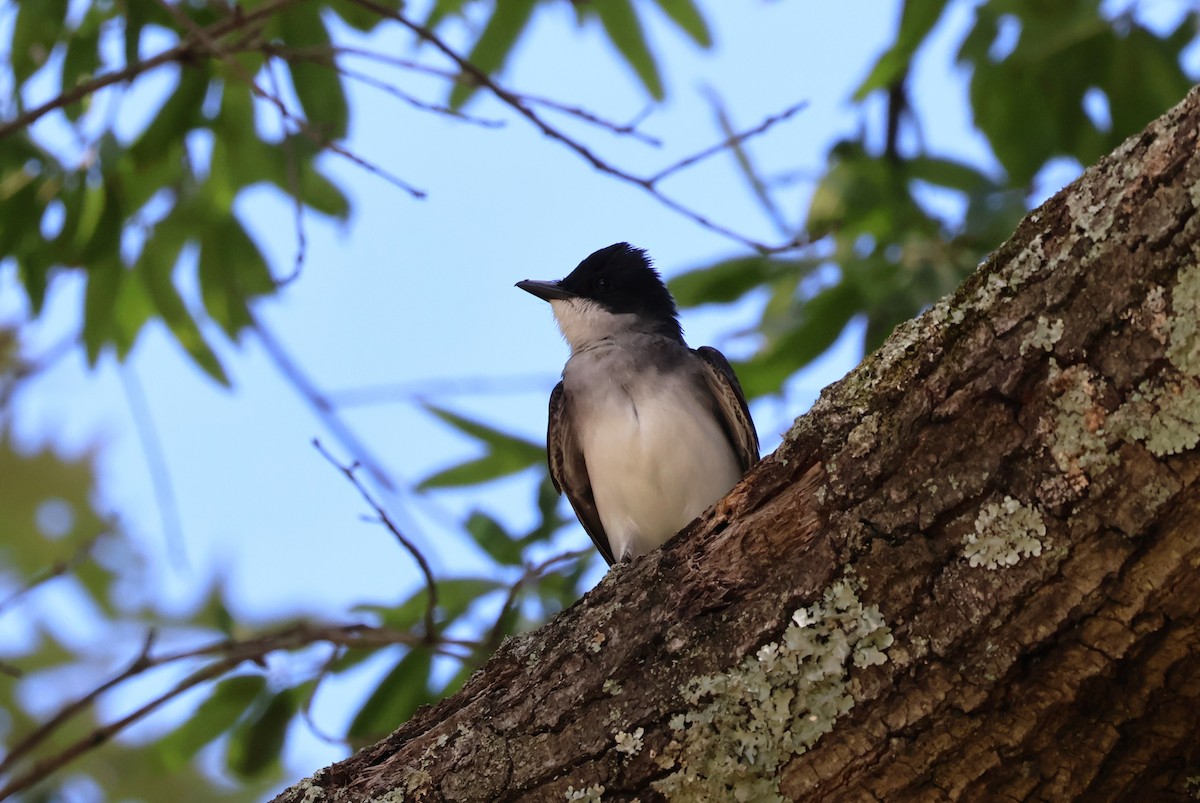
186	49
226	655
318	138
515	102
293	180
386	520
729	142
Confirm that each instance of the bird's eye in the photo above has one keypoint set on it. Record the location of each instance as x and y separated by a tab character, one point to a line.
602	283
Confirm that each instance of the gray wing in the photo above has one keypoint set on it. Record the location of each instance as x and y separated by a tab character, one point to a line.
731	409
568	471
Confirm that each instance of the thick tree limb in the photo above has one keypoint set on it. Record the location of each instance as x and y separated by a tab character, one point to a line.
970	572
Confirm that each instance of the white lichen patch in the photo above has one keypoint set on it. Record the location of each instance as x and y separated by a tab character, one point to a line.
746	722
589	794
611	687
1004	533
629	743
1044	335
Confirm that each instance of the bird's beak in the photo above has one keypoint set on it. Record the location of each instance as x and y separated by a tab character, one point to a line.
547	291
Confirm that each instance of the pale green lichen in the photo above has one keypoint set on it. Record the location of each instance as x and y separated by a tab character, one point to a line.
746	722
1044	335
1078	441
611	687
629	743
1164	412
1004	533
863	437
589	794
1164	416
1184	348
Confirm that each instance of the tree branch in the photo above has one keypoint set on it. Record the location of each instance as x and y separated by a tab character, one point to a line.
967	573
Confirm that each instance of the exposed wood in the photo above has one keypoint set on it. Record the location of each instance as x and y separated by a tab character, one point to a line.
971	572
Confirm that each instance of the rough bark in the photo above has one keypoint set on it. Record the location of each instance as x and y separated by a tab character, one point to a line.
971	572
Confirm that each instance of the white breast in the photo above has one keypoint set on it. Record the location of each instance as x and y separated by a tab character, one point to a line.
656	456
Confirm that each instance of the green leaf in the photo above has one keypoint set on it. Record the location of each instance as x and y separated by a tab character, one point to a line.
318	86
687	16
104	279
360	17
494	45
179	114
136	14
506	454
493	539
822	318
730	279
947	173
398	695
624	30
256	744
37	29
155	268
229	701
454	595
233	272
916	21
81	61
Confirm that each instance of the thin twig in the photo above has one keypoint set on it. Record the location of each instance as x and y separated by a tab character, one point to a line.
43	731
514	101
324	57
729	142
322	53
530	574
320	403
293	180
58	569
306	128
227	655
431	598
158	466
181	52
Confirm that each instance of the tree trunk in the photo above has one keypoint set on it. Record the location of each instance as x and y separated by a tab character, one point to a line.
971	572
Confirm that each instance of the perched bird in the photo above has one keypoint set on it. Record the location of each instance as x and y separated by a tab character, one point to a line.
645	433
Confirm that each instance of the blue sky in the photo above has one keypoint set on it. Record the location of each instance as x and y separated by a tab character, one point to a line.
421	291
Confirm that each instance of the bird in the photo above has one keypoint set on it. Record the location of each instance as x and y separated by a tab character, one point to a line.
644	433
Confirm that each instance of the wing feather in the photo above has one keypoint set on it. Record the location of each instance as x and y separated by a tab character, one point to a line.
731	408
568	471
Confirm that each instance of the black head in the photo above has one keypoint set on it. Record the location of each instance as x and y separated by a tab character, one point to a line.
620	279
